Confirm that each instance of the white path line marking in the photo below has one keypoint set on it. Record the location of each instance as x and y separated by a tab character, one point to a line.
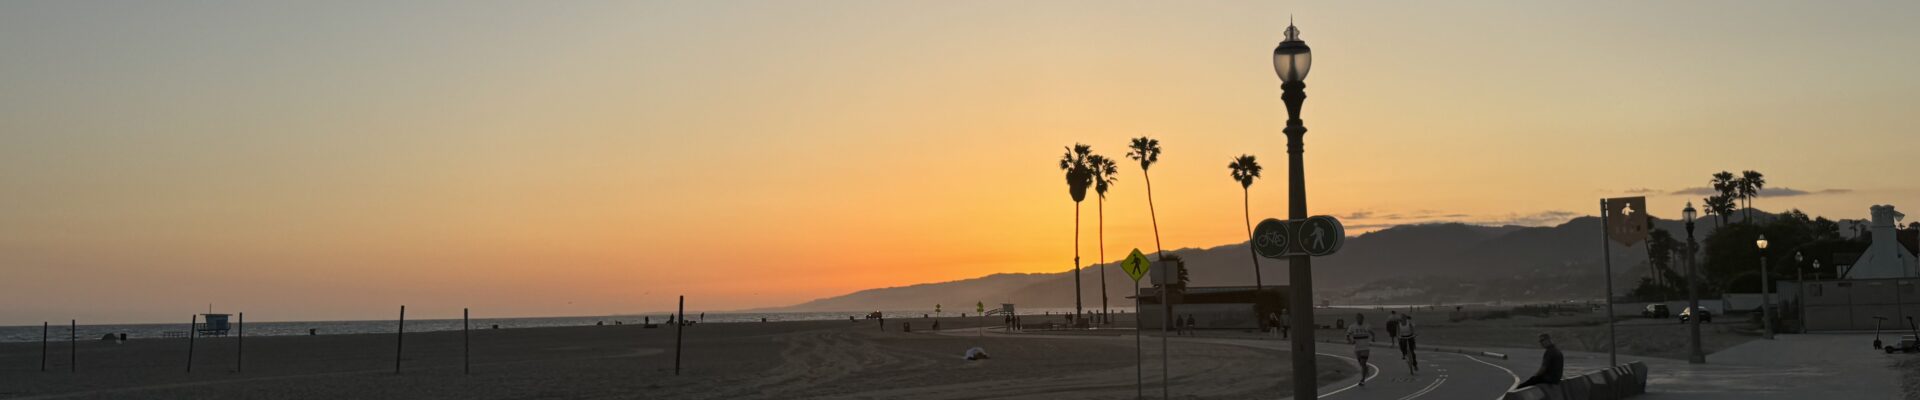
1430	387
1356	362
1516	378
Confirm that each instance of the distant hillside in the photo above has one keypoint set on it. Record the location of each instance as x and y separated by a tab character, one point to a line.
1448	262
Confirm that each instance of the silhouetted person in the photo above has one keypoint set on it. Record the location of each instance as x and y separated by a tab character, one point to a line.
1406	343
1273	323
1552	365
1190	324
1393	331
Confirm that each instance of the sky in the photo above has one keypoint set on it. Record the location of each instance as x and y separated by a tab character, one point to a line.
333	160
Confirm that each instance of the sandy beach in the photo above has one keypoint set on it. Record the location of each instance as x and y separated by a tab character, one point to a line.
811	359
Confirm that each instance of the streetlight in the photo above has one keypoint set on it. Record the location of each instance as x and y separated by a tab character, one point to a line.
1800	290
1816	269
1696	355
1766	293
1291	60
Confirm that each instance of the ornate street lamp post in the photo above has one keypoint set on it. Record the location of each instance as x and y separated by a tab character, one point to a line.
1800	289
1695	355
1291	60
1766	292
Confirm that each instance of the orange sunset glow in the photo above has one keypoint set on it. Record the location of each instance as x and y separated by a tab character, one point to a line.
590	158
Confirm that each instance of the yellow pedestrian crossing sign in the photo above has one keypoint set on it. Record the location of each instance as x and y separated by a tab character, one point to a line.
1136	265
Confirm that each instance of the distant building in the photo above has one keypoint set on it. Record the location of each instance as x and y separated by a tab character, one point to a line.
1878	291
1219	307
1893	252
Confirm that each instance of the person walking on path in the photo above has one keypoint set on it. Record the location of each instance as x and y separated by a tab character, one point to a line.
1552	365
1273	324
1406	344
1393	331
1356	333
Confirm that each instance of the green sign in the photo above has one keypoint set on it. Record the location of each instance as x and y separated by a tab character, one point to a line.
979	307
1136	265
1270	238
936	308
1321	235
1316	236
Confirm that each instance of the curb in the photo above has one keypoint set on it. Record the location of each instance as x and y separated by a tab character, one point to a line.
1444	349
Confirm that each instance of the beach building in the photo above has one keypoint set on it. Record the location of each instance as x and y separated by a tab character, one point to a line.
1880	289
1892	254
1217	307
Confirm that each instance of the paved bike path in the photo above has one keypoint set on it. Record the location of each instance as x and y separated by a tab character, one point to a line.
1441	376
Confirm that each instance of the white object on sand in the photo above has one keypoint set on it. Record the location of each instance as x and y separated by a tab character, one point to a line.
977	354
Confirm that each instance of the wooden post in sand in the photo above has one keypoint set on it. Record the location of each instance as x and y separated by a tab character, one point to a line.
191	329
466	343
240	345
73	345
679	323
43	345
399	339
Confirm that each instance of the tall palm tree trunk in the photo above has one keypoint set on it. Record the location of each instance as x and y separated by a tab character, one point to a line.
1103	260
1246	204
1076	261
1158	250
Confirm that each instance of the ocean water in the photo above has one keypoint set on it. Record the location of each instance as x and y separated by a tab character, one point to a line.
60	332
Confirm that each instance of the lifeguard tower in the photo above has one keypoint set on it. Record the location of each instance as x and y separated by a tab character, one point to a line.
215	325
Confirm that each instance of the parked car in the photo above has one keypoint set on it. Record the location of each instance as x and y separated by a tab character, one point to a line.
1907	344
1706	314
1655	311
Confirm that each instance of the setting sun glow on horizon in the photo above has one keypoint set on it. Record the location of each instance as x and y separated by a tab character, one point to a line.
321	162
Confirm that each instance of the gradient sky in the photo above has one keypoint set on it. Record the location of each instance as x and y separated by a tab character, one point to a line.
333	160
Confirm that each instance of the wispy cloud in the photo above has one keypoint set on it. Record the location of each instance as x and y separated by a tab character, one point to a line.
1543	218
1370	220
1767	192
1641	191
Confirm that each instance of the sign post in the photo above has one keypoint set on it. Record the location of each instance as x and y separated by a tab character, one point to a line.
1136	266
1622	220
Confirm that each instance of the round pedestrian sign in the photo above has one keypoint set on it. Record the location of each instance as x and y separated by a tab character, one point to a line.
1321	235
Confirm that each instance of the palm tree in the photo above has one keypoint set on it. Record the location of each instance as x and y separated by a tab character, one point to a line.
1750	183
1728	187
1147	151
1104	175
1079	177
1720	205
1244	169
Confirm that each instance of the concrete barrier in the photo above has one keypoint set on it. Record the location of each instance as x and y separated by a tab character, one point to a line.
1618	382
1576	389
1602	383
1530	393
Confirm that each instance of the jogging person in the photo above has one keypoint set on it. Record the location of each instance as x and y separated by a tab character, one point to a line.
1406	344
1355	334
